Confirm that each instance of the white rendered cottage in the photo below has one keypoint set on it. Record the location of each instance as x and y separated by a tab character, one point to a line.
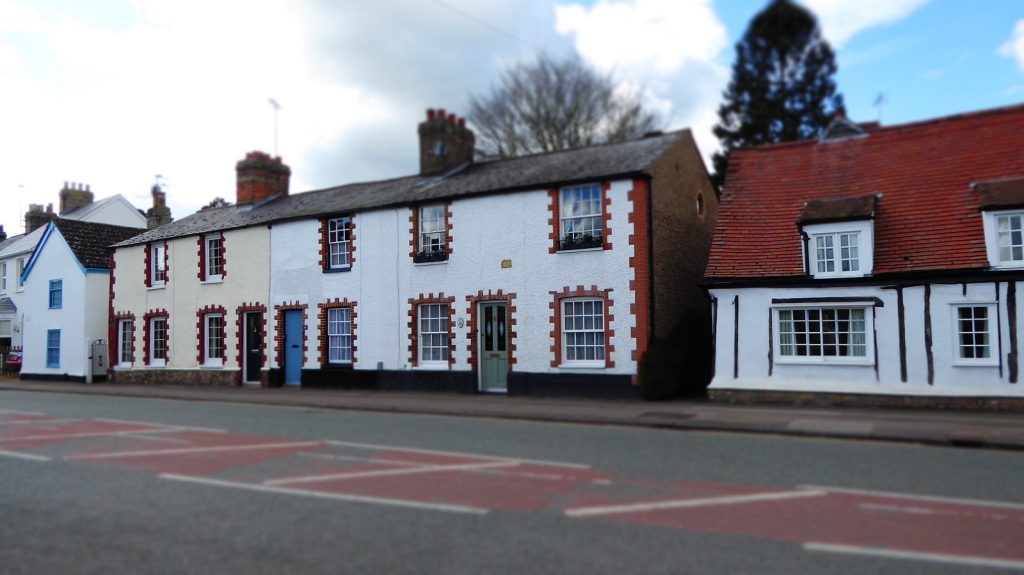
874	265
542	274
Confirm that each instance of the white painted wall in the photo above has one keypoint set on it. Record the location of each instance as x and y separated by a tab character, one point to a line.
82	317
949	380
485	231
20	249
116	211
247	281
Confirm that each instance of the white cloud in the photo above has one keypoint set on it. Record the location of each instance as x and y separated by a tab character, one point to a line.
1014	47
840	20
669	47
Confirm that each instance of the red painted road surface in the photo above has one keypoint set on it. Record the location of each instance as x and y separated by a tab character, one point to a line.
822	518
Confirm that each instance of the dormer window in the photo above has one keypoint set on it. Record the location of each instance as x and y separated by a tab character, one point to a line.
1002	208
838	236
1010	229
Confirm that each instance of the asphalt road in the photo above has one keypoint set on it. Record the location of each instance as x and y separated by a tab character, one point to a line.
100	485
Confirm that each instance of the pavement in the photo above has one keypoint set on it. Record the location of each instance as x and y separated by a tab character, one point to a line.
980	429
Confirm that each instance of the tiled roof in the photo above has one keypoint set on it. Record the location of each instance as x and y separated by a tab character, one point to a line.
927	218
23	243
532	172
1005	193
89	241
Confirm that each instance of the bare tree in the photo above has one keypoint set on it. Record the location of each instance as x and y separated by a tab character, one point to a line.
551	105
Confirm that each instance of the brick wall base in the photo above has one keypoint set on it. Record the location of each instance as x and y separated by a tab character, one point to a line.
799	398
197	377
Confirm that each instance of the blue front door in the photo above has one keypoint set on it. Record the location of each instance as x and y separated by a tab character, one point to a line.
292	347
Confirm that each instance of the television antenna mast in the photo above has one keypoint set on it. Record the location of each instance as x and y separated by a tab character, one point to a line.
277	107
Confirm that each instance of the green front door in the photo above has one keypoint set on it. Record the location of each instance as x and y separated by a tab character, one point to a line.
493	346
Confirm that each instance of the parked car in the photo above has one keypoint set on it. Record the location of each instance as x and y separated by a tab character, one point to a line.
12	363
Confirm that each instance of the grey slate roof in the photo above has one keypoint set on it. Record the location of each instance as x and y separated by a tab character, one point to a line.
538	171
23	243
89	241
7	306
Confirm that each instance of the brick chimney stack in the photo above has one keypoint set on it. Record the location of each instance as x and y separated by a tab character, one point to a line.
445	143
3	234
159	214
35	217
74	196
260	177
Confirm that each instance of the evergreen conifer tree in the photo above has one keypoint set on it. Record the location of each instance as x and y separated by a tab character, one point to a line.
781	88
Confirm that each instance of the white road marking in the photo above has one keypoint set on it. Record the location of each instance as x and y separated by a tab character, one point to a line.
21	412
388	472
123	433
187	450
931	498
172	427
454	454
362	459
39	422
686	503
972	560
27	456
328	495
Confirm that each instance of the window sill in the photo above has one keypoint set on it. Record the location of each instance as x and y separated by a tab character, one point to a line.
579	250
338	365
433	366
216	280
156	287
827	362
1008	265
583	365
832	276
218	365
975	363
156	365
337	270
123	366
437	263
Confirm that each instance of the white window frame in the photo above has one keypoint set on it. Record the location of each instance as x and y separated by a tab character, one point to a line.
153	360
864	230
3	277
992	334
339	243
210	241
990	220
125	342
157	269
21	272
208	340
443	320
869	329
434	236
566	219
339	335
601	334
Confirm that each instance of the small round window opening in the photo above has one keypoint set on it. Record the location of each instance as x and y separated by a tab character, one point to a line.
700	204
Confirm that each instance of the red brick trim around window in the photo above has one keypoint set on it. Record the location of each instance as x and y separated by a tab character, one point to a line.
115	337
279	330
149	269
639	262
555	221
606	216
325	251
201	330
146	331
556	321
321	317
471	311
202	259
414	228
414	311
240	312
223	256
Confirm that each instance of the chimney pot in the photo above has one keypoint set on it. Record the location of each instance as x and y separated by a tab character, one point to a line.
259	177
462	122
451	118
430	114
445	143
440	113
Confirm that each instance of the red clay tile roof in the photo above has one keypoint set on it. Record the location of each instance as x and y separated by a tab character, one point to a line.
928	217
1005	193
821	210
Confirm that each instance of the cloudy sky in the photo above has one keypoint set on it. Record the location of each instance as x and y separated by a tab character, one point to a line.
113	92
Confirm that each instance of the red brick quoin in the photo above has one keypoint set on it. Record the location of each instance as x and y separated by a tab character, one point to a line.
639	262
201	331
414	310
471	310
556	321
240	312
279	330
322	321
146	333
